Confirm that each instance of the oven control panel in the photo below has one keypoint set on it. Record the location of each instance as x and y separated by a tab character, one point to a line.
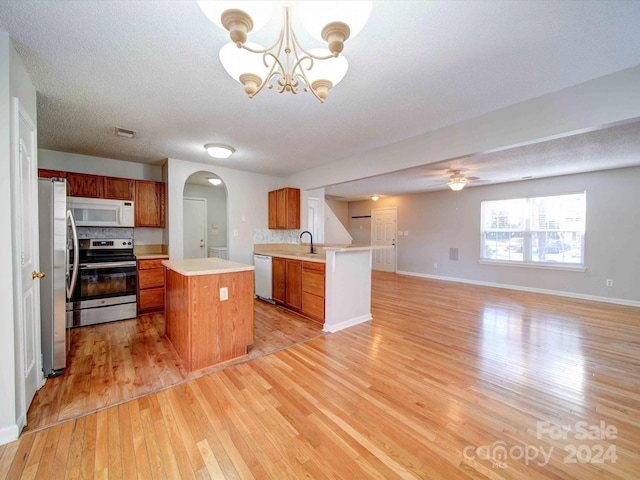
111	243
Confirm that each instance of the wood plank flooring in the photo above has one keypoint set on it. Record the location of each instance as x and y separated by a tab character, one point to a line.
113	362
448	381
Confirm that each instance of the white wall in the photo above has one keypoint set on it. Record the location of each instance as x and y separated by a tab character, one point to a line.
216	211
341	211
74	162
247	205
594	104
439	220
14	81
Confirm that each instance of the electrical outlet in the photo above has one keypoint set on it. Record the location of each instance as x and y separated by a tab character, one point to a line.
609	282
235	232
224	293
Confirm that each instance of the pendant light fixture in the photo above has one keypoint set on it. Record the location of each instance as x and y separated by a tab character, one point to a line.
286	64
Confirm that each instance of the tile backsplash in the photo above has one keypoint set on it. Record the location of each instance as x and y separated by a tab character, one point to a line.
105	232
263	235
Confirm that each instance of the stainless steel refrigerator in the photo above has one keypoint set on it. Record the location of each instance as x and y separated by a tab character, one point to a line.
58	243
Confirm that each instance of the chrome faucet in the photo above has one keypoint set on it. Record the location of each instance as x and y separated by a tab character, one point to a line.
312	249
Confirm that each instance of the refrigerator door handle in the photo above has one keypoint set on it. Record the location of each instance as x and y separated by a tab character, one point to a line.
74	275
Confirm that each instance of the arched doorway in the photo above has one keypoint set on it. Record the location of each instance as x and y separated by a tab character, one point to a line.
205	223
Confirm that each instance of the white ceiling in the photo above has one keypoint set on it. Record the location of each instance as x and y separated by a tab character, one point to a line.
152	66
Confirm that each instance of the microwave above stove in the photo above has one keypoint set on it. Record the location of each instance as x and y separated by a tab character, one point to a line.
101	212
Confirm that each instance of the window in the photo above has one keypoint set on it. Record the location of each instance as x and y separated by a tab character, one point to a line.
535	230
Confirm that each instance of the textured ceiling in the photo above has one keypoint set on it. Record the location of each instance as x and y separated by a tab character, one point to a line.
152	66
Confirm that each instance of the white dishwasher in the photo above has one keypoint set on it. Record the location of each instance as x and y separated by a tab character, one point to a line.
262	277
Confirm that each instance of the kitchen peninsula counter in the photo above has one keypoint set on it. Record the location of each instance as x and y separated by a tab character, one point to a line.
347	279
208	310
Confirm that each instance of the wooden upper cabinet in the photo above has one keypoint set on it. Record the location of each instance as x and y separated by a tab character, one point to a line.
273	212
284	209
46	173
85	185
119	188
149	204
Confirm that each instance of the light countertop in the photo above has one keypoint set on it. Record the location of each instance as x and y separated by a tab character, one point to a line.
301	252
205	266
151	256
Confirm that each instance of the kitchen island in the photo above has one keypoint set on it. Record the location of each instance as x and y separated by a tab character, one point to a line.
208	310
347	280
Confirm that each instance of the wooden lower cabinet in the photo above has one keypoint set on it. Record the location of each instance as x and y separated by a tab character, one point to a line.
313	290
150	285
293	282
299	286
277	279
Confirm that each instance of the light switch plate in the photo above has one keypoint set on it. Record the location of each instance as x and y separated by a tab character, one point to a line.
224	293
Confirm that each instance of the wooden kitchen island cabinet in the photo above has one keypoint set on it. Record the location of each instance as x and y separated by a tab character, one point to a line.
205	328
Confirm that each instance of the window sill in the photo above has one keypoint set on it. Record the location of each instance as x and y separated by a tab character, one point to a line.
541	266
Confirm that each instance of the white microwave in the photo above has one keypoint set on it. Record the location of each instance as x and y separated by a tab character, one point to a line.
101	212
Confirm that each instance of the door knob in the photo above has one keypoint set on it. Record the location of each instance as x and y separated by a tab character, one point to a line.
35	275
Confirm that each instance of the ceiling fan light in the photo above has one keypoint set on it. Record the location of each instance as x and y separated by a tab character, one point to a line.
456	186
218	151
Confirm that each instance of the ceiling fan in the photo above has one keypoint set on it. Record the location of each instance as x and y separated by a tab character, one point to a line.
457	180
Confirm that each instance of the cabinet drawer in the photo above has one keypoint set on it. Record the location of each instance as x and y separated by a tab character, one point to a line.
152	298
314	266
313	306
155	263
313	283
151	278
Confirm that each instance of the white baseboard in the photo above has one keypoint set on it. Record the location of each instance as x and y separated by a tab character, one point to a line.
9	434
347	323
559	293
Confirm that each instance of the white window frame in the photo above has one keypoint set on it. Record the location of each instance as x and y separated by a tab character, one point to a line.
527	232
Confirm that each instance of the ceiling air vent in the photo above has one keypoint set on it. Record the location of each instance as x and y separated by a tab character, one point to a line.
125	132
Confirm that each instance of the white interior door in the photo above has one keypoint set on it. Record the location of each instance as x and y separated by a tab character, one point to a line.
195	227
24	149
383	232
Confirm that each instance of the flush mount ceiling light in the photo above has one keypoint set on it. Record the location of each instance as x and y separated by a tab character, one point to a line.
287	62
375	198
215	181
457	181
218	151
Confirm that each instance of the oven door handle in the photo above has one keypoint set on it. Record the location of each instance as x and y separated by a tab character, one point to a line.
107	265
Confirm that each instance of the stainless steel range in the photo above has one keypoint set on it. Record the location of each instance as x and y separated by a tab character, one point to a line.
106	286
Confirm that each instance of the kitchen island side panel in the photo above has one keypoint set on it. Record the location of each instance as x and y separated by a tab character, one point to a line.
177	327
222	329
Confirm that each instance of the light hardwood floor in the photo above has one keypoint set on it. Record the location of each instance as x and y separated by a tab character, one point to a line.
443	380
113	362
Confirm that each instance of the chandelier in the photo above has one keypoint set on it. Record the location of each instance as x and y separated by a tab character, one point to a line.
286	63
